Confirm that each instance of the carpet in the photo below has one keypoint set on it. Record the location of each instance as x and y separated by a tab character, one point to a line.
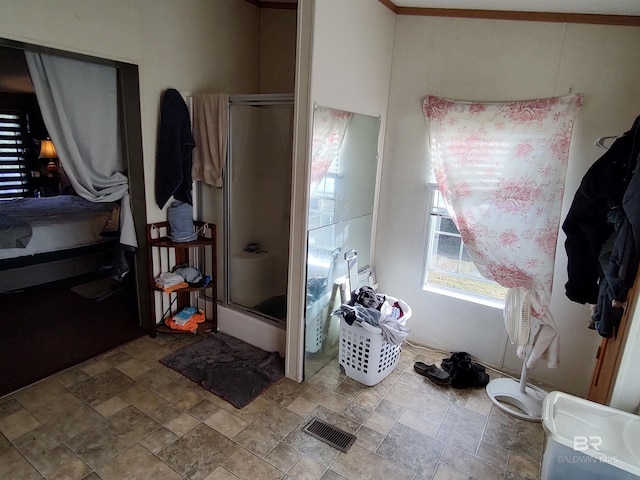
227	367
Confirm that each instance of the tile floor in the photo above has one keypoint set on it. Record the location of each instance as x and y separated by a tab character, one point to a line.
123	415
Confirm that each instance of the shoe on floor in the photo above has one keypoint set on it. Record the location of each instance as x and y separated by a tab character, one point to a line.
465	376
433	373
448	364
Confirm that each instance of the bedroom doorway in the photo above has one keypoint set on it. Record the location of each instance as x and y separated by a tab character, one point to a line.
85	307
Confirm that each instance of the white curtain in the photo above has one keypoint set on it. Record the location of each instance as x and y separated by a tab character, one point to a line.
329	129
501	170
79	104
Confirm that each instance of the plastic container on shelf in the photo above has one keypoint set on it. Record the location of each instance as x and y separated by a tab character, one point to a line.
364	354
588	441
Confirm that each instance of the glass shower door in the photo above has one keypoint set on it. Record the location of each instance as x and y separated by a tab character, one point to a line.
259	185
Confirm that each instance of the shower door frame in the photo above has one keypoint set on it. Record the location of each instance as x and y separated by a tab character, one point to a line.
256	100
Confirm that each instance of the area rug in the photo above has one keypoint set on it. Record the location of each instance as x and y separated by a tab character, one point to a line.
227	367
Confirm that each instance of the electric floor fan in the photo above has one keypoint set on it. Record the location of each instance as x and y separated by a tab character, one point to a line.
507	393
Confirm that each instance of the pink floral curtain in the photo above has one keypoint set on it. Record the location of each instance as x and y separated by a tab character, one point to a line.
329	129
501	170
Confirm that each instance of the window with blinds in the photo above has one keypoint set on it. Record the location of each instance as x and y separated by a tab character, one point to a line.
13	167
449	266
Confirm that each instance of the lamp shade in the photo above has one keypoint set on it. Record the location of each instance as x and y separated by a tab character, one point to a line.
47	149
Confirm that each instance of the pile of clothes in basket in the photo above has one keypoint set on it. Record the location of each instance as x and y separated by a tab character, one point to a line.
381	311
458	371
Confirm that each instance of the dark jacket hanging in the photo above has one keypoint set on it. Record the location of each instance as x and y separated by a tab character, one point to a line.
175	145
603	232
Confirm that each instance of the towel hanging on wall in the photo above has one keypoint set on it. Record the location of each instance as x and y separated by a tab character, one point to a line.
210	130
174	154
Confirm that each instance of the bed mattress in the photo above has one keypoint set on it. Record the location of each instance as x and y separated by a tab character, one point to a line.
60	223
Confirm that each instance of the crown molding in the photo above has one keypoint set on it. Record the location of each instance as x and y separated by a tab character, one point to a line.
620	20
274	5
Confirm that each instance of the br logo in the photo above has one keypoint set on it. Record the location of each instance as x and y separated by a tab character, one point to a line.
582	443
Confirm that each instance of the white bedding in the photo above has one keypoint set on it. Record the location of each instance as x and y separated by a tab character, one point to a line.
60	223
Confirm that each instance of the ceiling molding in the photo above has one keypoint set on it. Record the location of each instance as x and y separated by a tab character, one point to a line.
281	5
390	5
621	20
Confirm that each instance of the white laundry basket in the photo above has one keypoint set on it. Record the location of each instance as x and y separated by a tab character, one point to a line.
314	332
364	354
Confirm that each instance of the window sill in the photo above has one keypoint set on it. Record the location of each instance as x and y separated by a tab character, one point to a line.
467	297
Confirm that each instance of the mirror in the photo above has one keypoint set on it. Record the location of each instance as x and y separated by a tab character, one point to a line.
341	198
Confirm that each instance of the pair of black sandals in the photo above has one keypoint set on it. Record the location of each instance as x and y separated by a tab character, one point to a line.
458	371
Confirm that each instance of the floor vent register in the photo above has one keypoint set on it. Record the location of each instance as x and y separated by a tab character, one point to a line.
329	434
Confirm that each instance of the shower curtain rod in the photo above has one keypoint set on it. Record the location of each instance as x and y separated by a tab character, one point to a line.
261	99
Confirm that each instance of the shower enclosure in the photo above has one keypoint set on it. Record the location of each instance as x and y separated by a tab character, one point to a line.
256	205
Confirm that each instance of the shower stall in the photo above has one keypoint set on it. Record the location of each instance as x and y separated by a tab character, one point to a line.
255	207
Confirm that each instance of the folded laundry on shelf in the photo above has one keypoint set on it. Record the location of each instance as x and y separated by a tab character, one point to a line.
189	274
203	282
173	288
167	279
190	325
184	315
181	276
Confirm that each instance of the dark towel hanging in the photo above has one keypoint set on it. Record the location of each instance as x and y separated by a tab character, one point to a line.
175	145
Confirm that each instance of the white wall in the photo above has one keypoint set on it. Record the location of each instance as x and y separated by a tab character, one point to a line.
471	59
352	47
277	50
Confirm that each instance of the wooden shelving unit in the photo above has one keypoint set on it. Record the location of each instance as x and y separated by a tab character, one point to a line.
164	255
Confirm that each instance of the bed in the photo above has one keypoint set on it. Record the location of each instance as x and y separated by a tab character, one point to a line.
39	236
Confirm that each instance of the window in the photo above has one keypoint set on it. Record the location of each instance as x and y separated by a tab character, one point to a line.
322	203
502	166
448	266
13	167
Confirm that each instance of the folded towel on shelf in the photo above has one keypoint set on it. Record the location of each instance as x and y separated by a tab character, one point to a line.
168	279
173	288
